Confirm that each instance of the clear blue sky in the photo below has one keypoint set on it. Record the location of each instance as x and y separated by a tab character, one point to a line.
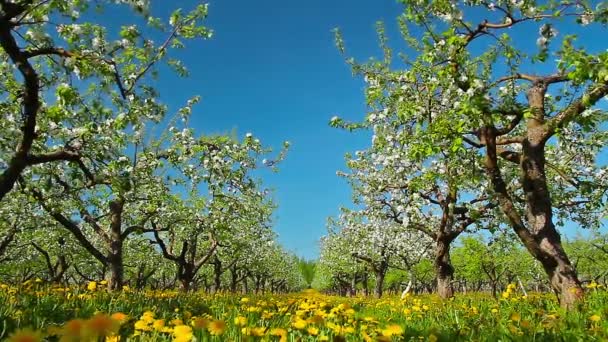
272	69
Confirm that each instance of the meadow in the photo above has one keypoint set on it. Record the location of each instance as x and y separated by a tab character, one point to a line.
35	311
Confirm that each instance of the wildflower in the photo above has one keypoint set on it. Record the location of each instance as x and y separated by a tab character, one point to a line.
92	286
257	331
299	323
25	335
101	325
392	330
282	333
595	318
200	323
72	330
217	327
158	324
312	331
182	333
592	285
240	321
176	321
143	325
119	317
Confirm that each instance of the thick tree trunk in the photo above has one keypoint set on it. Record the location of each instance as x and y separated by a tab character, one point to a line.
444	270
380	273
185	276
30	104
115	266
539	212
537	233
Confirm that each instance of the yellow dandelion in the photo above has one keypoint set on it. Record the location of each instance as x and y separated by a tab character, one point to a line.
119	317
92	286
72	330
312	331
299	324
182	333
392	330
256	331
200	323
595	318
25	335
282	333
240	321
143	325
217	327
158	324
515	317
101	325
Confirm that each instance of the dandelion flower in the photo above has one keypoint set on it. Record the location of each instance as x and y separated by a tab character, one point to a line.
25	335
217	327
182	333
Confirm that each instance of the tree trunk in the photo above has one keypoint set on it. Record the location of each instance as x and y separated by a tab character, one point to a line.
115	259
537	233
185	275
233	279
562	274
444	270
366	284
115	265
380	273
494	287
217	275
353	286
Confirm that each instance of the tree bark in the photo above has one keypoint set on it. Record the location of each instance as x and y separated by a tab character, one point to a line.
380	273
444	270
217	275
539	235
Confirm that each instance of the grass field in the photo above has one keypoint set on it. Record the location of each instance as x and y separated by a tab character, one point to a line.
35	312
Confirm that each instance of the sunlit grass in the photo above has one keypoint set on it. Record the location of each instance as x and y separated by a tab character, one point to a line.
35	311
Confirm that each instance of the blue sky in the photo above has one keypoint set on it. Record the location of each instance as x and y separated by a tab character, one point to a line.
272	69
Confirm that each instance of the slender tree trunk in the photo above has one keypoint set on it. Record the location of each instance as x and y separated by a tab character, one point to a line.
353	286
366	284
233	279
494	287
115	259
217	275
